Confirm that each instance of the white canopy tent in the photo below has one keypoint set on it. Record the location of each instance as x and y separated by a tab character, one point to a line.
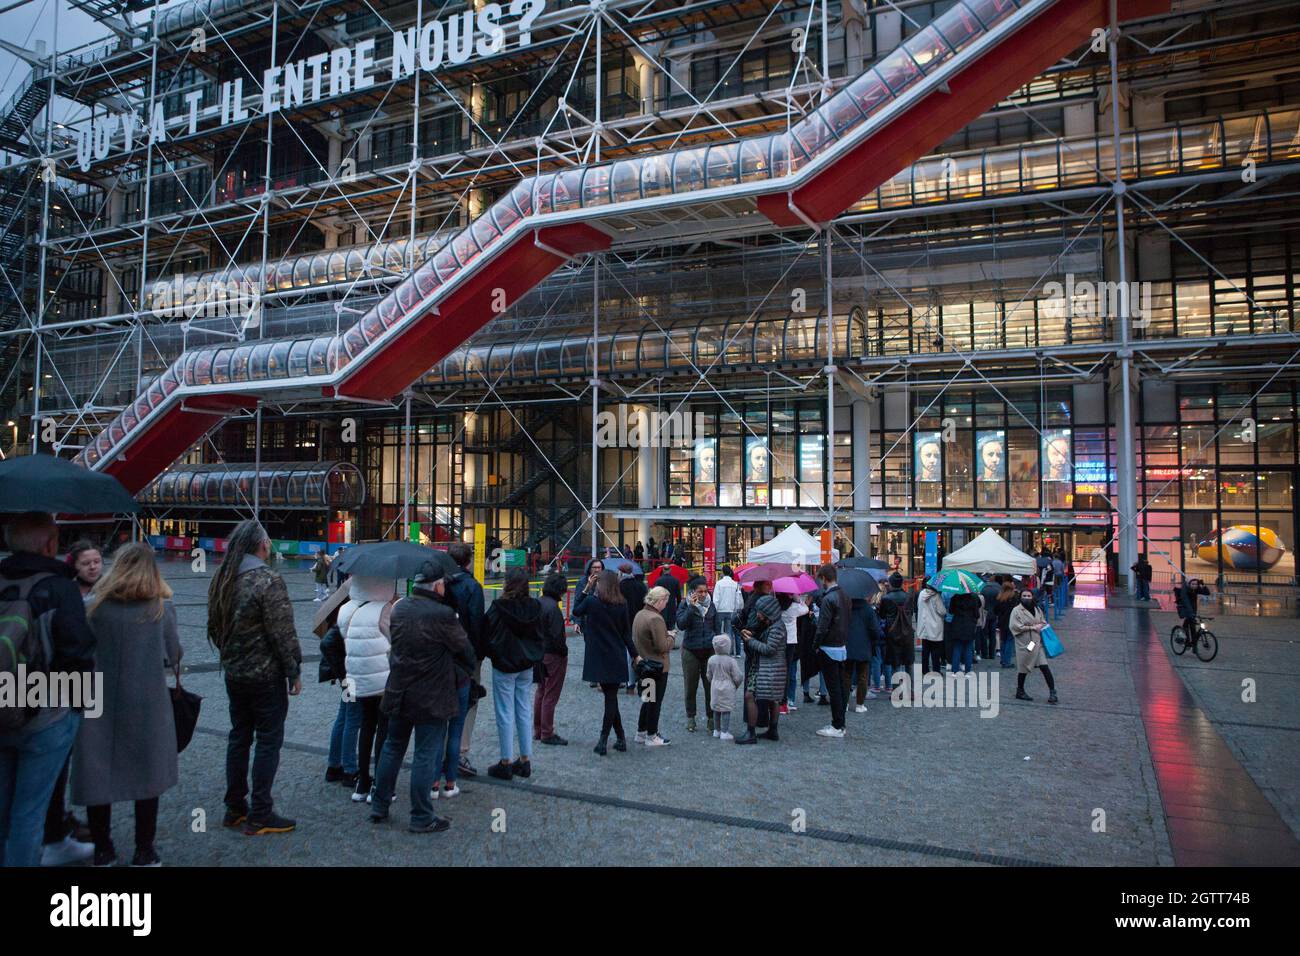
990	553
794	545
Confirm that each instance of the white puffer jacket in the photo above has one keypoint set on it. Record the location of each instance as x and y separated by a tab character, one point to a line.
365	644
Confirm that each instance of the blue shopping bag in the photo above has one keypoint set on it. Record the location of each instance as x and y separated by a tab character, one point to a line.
1052	645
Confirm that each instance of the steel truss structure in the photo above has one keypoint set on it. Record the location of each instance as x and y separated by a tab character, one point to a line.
117	267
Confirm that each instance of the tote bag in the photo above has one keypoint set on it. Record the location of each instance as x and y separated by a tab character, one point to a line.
185	708
1052	645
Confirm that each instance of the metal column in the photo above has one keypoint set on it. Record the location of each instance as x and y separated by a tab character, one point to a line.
1127	462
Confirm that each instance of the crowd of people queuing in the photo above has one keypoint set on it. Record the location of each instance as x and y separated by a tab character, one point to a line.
410	672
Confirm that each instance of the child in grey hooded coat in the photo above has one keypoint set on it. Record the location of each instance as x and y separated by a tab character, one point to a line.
724	675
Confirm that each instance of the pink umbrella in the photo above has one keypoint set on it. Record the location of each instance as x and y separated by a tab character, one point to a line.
767	572
796	584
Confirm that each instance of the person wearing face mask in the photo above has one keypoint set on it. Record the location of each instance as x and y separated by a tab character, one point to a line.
1027	624
697	620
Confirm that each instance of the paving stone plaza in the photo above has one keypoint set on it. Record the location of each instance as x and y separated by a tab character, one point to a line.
906	787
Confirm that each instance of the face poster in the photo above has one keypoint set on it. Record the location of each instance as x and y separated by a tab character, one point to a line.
991	456
757	460
706	471
928	456
706	460
1056	455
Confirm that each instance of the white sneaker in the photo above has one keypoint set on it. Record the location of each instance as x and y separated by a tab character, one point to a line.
872	695
449	792
789	705
717	733
640	736
67	850
726	736
656	741
829	731
860	709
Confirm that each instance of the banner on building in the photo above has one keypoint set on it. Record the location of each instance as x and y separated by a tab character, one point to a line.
710	555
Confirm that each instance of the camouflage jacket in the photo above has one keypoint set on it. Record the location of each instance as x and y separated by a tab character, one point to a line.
261	644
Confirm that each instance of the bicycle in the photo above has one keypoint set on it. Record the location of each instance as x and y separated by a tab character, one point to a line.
1205	645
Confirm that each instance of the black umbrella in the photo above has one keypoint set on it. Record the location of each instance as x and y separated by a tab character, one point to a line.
866	564
857	583
391	559
59	486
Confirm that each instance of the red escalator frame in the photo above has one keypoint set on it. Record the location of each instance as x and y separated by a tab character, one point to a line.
176	429
1029	51
515	269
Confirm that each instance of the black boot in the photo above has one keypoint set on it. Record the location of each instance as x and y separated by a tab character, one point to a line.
749	737
771	724
600	744
1051	697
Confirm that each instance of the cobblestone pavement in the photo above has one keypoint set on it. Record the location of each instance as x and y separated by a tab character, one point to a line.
1263	733
907	786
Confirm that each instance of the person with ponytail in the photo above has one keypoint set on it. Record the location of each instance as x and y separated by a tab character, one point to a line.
250	623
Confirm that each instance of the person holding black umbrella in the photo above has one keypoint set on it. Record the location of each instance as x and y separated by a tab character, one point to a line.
35	750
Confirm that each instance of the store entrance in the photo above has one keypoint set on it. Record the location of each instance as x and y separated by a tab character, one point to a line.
904	548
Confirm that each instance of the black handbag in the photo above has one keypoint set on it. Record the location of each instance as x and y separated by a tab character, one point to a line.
185	710
647	669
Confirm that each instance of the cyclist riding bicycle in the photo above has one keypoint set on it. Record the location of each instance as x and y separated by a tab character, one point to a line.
1187	596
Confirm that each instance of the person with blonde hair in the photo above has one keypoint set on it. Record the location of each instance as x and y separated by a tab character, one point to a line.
128	754
653	643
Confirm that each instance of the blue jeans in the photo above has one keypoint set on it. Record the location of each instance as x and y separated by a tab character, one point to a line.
963	652
724	620
1008	649
430	740
343	736
512	699
880	669
29	766
792	680
1062	595
1144	590
451	763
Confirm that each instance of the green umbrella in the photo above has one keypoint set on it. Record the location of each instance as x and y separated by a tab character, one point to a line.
956	581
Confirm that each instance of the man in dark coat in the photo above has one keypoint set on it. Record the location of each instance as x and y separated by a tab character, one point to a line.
634	590
466	596
987	646
965	629
896	610
697	620
429	652
674	589
38	750
831	641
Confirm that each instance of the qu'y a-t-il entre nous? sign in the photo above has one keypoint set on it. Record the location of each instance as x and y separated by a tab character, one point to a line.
450	41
